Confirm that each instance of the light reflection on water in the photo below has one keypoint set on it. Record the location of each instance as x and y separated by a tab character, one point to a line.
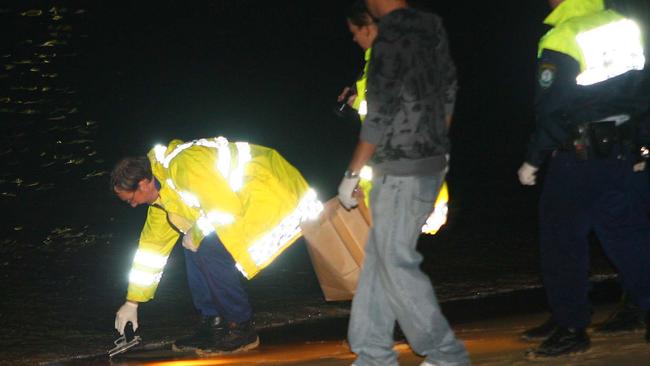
50	167
47	132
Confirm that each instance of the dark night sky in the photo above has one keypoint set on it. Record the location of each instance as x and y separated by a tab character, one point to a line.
270	73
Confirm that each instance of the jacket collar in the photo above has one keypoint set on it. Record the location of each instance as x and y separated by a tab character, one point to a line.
160	174
573	8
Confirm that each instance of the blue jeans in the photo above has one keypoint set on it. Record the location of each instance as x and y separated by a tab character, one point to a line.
392	287
603	195
215	282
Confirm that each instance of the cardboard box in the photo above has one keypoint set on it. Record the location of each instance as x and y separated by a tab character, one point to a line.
335	243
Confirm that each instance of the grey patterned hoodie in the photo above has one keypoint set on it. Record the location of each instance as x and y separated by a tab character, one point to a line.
411	88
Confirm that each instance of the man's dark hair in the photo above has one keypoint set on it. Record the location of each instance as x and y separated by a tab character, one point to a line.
357	13
128	172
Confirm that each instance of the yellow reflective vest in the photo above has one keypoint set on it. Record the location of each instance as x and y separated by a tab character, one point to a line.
248	194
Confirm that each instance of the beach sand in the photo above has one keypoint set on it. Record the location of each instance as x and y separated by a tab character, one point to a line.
491	342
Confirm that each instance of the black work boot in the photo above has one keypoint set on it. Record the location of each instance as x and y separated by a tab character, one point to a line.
210	331
540	332
240	337
563	341
627	317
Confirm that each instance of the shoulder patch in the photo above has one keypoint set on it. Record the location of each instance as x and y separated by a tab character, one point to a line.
546	75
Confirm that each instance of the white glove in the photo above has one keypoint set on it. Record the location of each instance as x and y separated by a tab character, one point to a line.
347	190
527	175
188	243
127	313
639	167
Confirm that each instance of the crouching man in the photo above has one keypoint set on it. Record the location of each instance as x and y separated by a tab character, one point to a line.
236	205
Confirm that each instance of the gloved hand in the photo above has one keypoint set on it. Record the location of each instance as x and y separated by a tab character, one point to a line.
644	156
127	313
639	167
188	243
527	175
347	190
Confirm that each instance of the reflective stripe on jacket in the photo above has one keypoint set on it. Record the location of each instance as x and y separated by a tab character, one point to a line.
360	103
249	194
603	42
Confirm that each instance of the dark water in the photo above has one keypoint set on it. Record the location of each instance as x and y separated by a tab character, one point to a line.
84	83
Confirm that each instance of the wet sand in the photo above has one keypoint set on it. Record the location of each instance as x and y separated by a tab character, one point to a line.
490	342
489	327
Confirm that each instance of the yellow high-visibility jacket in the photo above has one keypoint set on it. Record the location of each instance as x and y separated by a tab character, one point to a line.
580	30
249	194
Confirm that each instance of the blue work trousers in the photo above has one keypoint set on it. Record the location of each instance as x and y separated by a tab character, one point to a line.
215	282
603	195
391	285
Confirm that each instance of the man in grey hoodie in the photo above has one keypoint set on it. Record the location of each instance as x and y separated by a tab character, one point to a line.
410	93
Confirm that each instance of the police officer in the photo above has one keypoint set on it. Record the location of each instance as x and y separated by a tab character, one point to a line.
588	102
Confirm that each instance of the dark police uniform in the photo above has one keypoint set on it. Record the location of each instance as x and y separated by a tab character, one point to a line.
587	118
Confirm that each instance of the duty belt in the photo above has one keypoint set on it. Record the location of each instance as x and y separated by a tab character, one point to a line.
598	139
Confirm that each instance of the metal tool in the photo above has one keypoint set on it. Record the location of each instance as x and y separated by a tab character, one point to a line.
125	342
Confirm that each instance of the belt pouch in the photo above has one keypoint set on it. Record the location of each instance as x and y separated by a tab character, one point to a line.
603	137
